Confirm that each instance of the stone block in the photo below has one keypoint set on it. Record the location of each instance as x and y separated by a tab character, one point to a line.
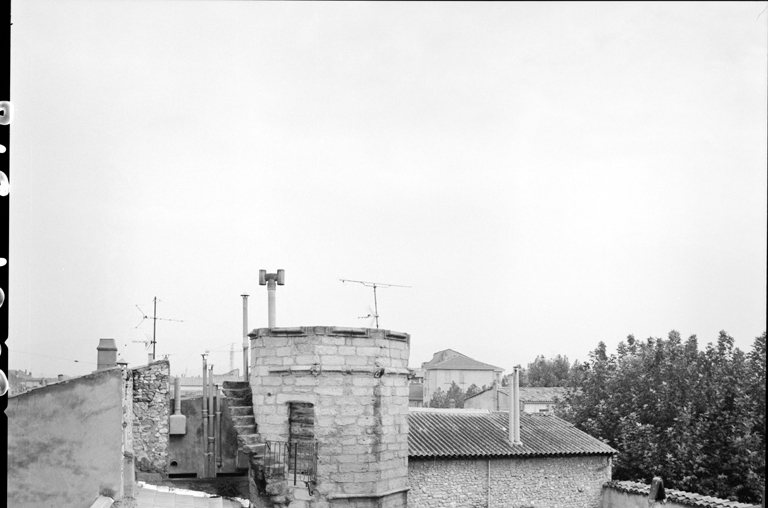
331	360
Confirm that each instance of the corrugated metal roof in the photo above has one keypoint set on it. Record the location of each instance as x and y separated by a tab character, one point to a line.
678	496
468	434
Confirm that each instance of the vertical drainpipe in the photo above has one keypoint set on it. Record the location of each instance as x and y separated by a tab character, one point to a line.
514	408
205	418
245	337
211	426
218	428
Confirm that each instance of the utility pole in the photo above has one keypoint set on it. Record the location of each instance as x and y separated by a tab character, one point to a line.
154	319
374	285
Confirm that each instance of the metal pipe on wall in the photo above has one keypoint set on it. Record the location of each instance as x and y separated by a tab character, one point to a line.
211	426
245	337
217	436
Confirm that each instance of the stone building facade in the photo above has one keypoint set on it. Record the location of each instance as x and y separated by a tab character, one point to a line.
151	412
553	482
345	389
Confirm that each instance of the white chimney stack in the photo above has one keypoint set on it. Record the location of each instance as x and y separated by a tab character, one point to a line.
514	408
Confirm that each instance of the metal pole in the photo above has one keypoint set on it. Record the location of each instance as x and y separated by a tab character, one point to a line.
271	287
205	418
154	329
245	337
515	408
375	306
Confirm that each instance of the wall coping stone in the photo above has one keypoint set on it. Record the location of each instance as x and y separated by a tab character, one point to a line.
374	495
317	369
329	330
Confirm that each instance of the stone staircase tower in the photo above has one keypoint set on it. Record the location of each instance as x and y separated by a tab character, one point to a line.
241	408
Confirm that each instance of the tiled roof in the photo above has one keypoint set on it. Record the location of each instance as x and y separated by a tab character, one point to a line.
462	363
152	496
678	496
485	434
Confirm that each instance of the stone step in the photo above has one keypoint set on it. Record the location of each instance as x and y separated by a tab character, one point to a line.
237	392
249	439
246	429
235	384
240	421
241	410
239	401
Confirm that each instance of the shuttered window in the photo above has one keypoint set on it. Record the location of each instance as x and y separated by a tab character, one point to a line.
301	419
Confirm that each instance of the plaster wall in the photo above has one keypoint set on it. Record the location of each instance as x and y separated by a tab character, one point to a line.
553	482
65	442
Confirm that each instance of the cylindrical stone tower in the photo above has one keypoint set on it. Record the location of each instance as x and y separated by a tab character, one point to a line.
343	391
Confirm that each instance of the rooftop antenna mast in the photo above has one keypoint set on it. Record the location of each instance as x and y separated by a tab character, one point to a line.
374	285
154	319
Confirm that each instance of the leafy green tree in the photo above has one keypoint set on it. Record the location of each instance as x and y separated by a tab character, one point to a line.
697	418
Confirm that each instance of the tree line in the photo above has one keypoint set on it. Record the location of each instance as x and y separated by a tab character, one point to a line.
694	417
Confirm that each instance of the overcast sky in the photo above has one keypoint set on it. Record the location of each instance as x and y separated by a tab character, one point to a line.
543	176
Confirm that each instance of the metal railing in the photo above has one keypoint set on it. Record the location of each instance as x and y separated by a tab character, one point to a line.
292	461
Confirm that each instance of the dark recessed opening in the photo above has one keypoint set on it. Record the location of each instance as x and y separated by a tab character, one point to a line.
182	475
232	475
174	463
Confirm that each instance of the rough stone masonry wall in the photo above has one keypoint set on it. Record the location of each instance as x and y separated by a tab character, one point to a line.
553	482
357	380
151	411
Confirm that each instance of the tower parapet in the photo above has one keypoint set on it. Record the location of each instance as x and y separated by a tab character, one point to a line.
345	389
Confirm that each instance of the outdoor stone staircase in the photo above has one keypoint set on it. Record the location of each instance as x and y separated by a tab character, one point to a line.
240	404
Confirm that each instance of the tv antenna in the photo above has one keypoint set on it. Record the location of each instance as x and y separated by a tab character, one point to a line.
374	285
154	319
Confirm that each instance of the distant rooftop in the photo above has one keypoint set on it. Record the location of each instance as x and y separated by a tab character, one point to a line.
449	359
532	393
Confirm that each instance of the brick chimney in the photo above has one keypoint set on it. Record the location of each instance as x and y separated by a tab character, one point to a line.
107	354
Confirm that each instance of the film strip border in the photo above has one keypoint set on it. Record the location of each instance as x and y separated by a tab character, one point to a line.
6	117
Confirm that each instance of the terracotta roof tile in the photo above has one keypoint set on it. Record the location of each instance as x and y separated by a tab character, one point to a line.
483	434
678	496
